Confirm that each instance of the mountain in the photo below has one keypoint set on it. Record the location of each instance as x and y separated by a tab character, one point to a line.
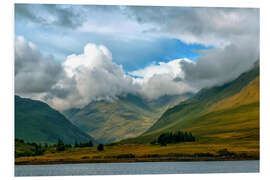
36	121
227	113
126	117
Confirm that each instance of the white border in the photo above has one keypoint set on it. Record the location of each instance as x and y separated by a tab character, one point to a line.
7	84
208	3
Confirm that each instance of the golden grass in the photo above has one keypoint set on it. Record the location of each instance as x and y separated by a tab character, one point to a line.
188	148
248	95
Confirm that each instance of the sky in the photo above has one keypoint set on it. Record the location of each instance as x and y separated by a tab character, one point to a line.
71	55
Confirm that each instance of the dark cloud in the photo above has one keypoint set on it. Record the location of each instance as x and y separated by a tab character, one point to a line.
218	66
33	72
65	16
24	12
233	32
50	15
212	26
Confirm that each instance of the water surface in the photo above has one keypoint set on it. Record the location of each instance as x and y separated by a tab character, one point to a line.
138	168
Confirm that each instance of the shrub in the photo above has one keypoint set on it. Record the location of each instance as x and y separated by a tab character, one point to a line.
88	144
85	157
225	152
125	156
100	147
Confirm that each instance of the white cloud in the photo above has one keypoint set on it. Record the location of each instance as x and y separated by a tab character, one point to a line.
89	76
172	68
164	84
95	77
162	79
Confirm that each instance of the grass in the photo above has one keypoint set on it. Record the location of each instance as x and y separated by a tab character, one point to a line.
235	129
36	121
205	99
238	124
144	152
235	118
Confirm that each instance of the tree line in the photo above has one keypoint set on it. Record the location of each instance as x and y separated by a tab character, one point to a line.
172	138
23	148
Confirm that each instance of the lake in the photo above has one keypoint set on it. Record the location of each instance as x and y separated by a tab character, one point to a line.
138	168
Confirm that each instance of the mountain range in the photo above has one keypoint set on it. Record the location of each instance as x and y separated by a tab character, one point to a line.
36	121
127	116
228	113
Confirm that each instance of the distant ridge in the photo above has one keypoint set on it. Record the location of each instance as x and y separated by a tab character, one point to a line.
36	121
126	117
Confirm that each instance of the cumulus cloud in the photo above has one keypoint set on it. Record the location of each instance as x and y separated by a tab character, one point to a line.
218	66
162	79
163	84
79	80
97	77
89	76
172	68
34	73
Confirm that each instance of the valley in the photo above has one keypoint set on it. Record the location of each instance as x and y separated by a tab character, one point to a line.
126	117
223	119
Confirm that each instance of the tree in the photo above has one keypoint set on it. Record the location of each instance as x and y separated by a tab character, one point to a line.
60	145
76	143
90	144
38	150
100	147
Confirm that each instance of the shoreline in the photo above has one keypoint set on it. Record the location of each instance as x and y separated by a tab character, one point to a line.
165	159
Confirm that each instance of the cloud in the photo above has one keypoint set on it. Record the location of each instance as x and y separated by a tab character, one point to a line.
234	33
23	11
34	73
89	76
218	66
76	82
164	84
64	16
93	75
96	77
172	68
209	26
162	79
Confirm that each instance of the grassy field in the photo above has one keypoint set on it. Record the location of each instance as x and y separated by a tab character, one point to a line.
237	133
146	152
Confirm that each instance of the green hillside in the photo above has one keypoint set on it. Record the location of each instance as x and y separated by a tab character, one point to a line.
223	114
35	121
128	116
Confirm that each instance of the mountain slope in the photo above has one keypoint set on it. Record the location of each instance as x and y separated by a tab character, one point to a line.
35	121
248	95
225	113
126	117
